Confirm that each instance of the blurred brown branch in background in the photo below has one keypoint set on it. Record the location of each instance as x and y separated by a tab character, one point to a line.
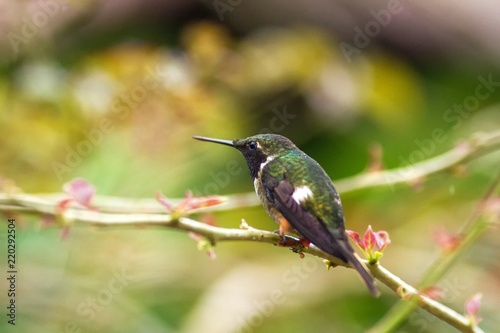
477	145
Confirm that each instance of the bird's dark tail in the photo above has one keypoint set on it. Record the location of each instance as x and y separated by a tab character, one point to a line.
347	252
365	274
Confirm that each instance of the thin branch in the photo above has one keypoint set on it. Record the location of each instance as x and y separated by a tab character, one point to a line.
428	304
217	234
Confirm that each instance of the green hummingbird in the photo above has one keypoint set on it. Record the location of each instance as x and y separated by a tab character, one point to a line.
298	195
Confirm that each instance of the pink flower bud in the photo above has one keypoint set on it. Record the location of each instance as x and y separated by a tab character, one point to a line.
472	308
80	191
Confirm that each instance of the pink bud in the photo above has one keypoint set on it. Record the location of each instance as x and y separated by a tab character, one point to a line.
370	239
372	243
355	237
472	306
211	201
446	240
164	202
81	191
382	240
194	236
188	203
211	254
433	292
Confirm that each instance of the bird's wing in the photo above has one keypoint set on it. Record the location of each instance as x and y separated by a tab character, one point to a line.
302	219
306	218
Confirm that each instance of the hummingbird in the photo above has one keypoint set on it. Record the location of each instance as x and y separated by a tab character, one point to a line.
298	195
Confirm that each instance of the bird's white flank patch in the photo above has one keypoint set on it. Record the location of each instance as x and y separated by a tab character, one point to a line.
301	193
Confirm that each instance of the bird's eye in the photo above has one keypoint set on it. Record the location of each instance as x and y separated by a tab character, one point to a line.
252	145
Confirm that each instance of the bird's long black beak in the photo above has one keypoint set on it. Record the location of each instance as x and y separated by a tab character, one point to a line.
222	142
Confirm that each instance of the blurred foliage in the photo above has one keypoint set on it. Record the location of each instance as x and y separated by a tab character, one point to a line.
121	114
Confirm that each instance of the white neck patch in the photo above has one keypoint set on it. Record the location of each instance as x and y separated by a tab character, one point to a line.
263	164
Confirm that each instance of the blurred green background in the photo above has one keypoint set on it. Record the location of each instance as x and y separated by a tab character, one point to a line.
112	91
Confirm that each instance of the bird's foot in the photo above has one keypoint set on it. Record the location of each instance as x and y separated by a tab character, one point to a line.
296	245
287	240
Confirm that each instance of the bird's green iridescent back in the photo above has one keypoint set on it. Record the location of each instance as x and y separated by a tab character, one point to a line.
302	170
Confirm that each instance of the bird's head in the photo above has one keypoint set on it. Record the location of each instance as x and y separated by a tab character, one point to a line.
257	149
